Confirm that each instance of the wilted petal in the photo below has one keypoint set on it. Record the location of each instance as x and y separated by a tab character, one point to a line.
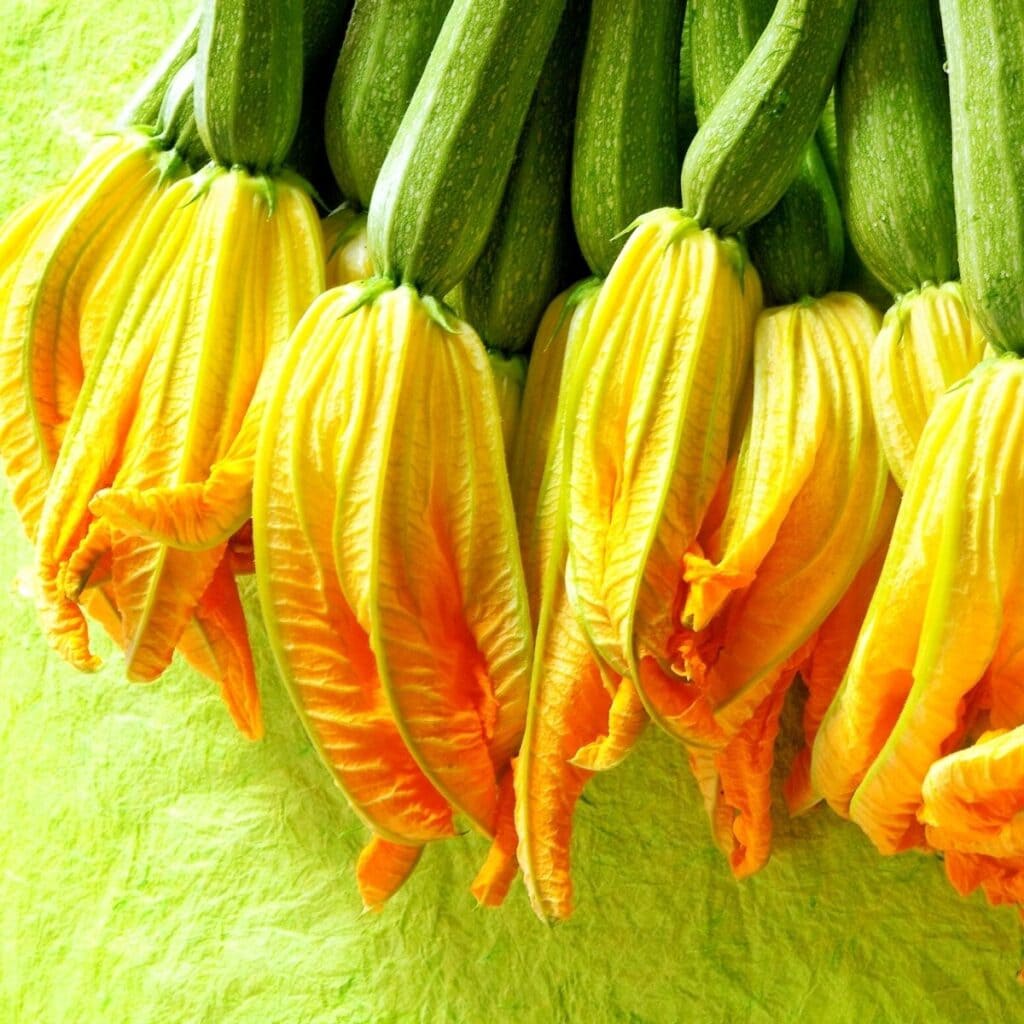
491	885
973	799
382	868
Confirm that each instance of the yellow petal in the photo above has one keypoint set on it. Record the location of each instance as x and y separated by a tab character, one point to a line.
934	624
443	594
329	395
927	343
81	227
658	379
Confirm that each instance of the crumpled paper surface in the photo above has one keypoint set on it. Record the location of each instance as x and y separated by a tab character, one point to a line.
157	868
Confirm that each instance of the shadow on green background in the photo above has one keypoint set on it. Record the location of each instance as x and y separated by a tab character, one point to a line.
157	868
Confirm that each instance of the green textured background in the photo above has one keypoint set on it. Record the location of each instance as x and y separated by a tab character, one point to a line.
157	868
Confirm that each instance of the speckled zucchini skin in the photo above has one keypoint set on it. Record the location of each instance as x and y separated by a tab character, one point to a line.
751	145
895	160
522	266
248	92
444	177
985	56
386	47
626	150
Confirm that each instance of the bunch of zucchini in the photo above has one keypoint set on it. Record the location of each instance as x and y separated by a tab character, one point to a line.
570	408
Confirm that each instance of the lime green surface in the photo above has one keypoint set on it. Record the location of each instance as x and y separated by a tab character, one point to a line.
154	867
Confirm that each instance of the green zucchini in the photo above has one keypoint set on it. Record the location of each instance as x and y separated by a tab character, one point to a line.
143	109
985	56
323	27
724	33
798	247
895	160
386	47
248	91
686	106
625	154
443	179
750	147
521	268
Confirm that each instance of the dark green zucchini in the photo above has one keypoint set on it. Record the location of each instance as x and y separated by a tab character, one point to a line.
523	263
248	92
751	146
625	154
895	160
686	107
799	247
985	56
724	33
443	179
382	58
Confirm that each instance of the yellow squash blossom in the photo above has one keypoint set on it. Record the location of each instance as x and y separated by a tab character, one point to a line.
927	343
580	720
658	375
216	278
938	657
63	249
802	515
509	373
387	566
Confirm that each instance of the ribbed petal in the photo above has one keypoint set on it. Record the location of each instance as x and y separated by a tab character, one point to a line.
659	375
444	593
81	229
382	869
934	625
329	401
532	451
823	669
147	303
216	643
927	343
829	528
823	504
572	712
491	885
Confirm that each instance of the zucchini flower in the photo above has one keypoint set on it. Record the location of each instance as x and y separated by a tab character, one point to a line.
927	343
800	515
581	719
218	273
60	258
936	661
387	566
658	377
